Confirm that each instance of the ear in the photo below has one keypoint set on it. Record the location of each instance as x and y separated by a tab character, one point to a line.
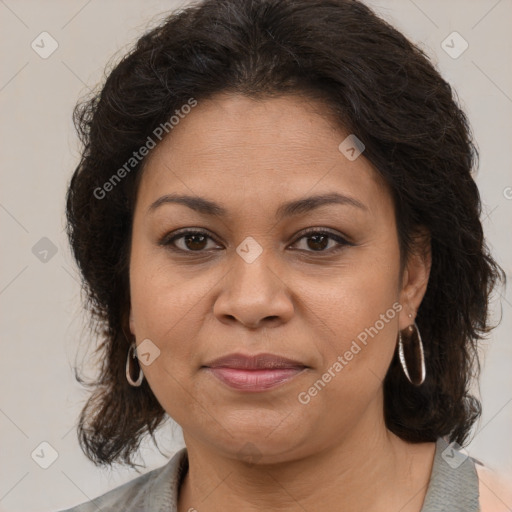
415	277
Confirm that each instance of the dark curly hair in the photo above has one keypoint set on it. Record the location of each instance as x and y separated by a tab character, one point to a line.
376	84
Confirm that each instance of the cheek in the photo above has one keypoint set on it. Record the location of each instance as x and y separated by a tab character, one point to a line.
358	327
164	312
168	309
354	297
357	314
161	296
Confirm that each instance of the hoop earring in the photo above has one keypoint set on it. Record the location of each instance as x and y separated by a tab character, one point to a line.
132	351
414	332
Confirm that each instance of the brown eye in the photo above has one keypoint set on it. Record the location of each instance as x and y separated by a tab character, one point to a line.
318	241
197	241
189	241
194	242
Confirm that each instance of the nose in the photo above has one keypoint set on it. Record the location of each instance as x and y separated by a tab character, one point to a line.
254	295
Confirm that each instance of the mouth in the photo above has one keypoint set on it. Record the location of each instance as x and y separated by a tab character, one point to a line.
255	373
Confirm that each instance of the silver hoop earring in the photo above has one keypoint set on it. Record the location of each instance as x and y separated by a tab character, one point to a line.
132	354
413	332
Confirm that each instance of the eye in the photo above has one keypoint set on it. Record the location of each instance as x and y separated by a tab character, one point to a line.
319	241
191	241
197	241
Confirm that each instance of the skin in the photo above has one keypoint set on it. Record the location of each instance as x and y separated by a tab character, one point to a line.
495	490
335	452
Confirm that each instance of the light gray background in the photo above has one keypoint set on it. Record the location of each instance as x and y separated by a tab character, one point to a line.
42	320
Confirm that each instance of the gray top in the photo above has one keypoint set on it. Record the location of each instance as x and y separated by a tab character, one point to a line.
453	486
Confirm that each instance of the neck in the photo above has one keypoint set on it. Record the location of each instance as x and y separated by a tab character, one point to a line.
370	469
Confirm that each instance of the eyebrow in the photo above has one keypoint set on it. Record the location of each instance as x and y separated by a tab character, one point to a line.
297	207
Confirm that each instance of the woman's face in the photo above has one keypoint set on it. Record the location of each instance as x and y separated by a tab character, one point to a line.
254	283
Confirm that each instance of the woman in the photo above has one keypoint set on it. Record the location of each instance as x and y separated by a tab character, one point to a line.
278	231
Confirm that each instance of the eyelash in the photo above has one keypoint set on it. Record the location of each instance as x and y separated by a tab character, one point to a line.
168	241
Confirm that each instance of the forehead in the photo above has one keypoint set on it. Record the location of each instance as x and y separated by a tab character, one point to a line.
232	146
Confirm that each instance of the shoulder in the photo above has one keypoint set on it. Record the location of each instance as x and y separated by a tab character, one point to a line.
142	492
495	490
124	497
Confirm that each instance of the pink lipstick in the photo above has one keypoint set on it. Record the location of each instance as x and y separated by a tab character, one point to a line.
255	373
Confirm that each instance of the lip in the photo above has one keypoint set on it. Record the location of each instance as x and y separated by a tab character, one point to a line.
254	373
254	362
